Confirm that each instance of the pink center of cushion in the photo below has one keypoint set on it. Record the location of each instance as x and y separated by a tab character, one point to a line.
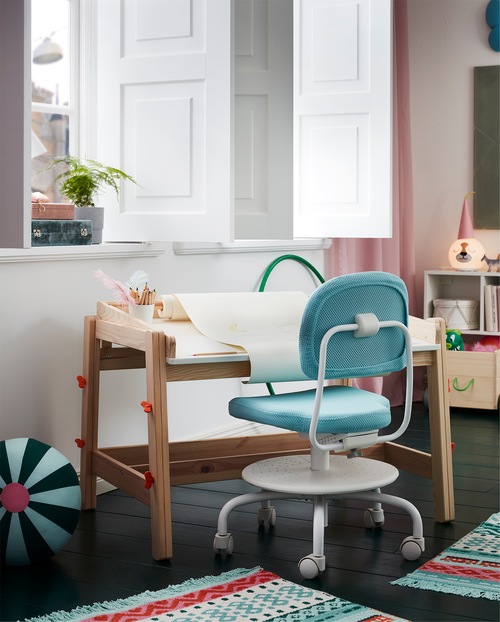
15	497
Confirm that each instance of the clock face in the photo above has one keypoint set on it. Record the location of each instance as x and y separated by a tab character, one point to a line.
466	254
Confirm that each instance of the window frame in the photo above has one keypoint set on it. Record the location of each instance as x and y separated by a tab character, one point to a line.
15	123
73	108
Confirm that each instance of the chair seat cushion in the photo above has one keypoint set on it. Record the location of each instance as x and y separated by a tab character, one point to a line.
343	410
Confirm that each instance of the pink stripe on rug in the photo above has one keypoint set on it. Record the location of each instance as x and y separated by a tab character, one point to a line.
484	563
471	572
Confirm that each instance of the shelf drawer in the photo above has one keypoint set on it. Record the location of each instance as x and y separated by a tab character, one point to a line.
474	379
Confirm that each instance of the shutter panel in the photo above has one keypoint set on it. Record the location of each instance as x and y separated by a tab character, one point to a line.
342	118
164	117
263	146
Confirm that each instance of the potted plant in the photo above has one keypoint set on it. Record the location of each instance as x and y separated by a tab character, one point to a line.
81	181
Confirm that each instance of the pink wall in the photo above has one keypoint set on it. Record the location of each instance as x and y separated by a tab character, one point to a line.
447	39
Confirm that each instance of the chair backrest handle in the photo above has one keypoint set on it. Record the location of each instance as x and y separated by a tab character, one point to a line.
368	325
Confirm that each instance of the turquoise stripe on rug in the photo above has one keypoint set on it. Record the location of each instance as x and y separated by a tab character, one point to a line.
470	567
253	595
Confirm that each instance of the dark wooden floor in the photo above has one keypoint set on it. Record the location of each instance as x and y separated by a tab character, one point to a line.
109	556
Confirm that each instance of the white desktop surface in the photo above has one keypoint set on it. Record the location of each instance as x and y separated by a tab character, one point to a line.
193	347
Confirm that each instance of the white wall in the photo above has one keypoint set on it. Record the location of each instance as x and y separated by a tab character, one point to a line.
448	38
41	334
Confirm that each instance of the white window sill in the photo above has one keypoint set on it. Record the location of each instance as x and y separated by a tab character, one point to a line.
152	249
250	246
94	251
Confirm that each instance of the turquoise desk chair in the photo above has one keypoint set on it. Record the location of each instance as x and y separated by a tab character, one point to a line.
353	326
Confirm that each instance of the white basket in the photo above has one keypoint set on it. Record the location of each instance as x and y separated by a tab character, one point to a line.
458	314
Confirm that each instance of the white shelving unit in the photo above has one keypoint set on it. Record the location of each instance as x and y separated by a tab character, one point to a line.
453	285
473	377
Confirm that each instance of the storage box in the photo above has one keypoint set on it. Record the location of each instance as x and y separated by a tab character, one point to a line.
474	378
61	232
52	211
458	314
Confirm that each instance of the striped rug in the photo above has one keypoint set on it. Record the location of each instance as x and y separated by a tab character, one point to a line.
471	567
237	596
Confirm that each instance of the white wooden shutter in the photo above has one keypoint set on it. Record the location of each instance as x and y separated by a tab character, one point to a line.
164	117
342	118
263	144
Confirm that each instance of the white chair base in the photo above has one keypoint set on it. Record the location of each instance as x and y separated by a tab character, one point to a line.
292	478
293	474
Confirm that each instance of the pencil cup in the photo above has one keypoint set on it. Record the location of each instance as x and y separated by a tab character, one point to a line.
142	312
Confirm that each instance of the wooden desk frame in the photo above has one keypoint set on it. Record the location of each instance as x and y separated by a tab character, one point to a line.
216	459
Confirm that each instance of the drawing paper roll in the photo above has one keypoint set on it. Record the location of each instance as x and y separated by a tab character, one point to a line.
265	324
172	308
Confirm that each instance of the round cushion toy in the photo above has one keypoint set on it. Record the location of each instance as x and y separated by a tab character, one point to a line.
39	501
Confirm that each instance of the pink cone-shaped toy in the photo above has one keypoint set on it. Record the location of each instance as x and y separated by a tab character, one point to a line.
466	229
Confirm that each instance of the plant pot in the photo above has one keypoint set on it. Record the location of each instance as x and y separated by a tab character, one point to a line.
96	215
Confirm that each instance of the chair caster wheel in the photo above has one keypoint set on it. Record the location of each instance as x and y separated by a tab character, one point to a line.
374	518
312	566
267	515
223	544
411	548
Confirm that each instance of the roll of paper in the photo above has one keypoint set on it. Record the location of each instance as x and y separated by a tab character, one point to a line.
265	324
172	309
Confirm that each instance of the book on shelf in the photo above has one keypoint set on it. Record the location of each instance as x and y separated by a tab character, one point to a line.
498	308
491	308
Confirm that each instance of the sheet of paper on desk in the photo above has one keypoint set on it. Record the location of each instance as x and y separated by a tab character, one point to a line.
265	324
190	342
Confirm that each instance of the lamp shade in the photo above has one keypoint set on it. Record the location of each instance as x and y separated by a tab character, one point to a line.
466	254
47	51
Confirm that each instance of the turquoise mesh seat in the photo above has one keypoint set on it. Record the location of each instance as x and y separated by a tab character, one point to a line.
353	326
292	411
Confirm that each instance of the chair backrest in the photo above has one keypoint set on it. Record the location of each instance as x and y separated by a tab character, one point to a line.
337	302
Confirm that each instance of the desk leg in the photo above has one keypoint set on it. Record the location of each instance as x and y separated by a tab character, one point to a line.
159	456
90	412
440	433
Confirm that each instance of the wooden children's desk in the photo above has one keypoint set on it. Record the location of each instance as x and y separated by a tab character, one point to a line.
113	341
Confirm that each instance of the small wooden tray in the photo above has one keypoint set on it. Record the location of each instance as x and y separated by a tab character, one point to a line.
52	211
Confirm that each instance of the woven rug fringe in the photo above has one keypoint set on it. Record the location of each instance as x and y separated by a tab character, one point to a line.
470	567
433	586
144	597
